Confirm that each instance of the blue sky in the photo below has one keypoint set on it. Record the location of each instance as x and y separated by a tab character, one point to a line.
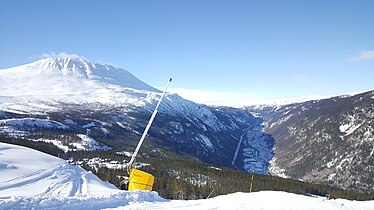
219	52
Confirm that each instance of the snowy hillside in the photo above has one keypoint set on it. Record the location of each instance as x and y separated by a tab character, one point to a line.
328	141
34	180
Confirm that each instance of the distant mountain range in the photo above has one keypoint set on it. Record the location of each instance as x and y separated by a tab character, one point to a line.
79	105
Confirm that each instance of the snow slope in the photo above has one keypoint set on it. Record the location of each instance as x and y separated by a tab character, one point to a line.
27	172
257	201
33	180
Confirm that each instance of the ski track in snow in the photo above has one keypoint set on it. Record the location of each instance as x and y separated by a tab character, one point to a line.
34	173
114	200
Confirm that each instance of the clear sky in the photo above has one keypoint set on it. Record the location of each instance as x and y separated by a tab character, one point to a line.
218	52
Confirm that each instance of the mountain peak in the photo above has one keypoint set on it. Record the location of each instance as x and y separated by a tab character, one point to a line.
65	60
77	67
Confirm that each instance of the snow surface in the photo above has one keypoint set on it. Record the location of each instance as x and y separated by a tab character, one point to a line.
276	170
86	144
30	179
33	173
97	162
257	200
90	144
207	144
56	142
348	129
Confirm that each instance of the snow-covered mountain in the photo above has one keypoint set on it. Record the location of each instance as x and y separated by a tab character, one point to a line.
39	85
65	76
34	180
113	103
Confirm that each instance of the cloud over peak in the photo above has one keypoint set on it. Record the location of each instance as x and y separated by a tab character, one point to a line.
60	55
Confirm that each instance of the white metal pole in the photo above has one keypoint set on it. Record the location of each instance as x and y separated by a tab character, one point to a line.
148	126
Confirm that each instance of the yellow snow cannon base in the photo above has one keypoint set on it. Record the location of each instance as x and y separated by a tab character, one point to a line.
140	180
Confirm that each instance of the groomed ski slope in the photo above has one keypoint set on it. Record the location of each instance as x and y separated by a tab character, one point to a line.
30	179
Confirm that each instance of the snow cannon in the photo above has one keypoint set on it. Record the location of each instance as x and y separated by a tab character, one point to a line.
140	180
